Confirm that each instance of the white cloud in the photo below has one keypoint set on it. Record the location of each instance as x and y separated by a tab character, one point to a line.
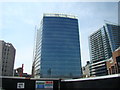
24	55
29	21
8	9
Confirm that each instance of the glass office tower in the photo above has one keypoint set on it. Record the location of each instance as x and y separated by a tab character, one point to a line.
102	43
57	53
113	32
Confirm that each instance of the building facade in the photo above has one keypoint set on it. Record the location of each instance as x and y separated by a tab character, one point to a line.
7	58
86	70
113	65
57	52
113	32
102	43
98	68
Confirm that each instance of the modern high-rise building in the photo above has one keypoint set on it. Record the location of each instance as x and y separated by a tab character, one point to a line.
102	43
113	32
7	58
57	50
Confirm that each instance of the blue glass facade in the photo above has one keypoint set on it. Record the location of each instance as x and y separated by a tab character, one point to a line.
113	32
58	47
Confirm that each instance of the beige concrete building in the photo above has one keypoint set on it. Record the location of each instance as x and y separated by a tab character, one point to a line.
86	70
7	58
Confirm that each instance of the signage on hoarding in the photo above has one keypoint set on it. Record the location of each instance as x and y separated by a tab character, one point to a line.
49	84
20	85
44	84
39	84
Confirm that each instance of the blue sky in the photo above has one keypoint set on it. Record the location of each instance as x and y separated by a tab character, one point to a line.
18	20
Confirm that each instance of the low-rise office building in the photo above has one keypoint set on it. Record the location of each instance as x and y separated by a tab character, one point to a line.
98	68
86	70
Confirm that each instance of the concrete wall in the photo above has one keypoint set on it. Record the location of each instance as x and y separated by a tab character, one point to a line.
12	83
99	82
110	81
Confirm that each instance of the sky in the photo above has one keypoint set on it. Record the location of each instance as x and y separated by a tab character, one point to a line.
18	21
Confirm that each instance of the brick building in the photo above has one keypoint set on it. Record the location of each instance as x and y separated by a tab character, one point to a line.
113	65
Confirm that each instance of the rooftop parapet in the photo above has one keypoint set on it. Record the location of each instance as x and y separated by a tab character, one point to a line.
59	15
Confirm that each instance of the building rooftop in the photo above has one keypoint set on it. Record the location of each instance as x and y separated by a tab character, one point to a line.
109	23
59	15
93	78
